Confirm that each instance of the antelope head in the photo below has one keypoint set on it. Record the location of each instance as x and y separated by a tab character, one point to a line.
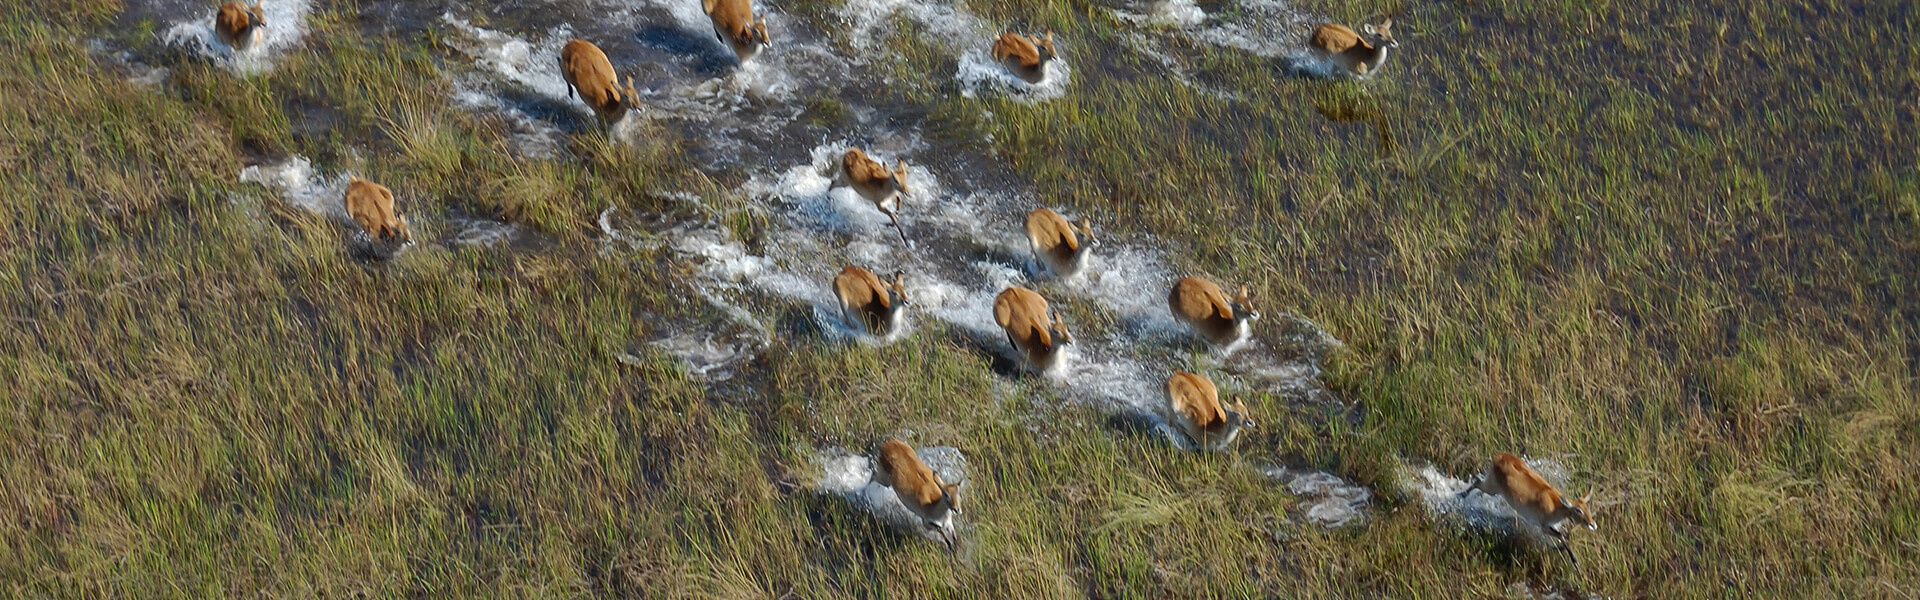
758	34
1059	331
899	288
1045	46
1243	306
1382	35
900	177
629	99
1238	417
1577	510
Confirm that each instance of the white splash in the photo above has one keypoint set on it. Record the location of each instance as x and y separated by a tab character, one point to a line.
972	248
531	65
298	185
1441	495
850	476
286	27
978	72
712	356
481	232
1330	501
1266	28
507	60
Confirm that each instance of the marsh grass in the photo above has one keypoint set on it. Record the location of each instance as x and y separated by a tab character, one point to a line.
1668	244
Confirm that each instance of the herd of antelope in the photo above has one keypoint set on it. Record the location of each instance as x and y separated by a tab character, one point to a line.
1035	332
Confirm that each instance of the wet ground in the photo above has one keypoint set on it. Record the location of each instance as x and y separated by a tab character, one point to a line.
962	215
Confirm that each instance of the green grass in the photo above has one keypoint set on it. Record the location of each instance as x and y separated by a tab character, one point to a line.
1673	243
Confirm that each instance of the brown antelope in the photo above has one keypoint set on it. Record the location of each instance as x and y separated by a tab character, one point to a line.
239	25
875	305
1361	54
1532	498
1024	316
733	23
1025	56
1204	307
1055	243
371	205
918	487
590	75
874	182
1193	406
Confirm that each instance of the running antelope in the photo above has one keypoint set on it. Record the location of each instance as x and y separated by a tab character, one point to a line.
239	25
1057	243
875	305
1025	56
874	182
1532	498
1205	307
918	488
371	205
1361	54
733	23
587	72
1030	327
1193	405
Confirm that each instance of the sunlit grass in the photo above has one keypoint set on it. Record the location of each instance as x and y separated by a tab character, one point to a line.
1669	244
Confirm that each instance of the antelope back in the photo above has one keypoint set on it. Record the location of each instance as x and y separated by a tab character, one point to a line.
1194	399
1336	38
1197	300
1047	230
588	71
1023	315
371	206
903	471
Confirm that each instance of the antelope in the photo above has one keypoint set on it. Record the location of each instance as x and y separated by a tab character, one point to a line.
875	305
874	182
1205	308
1055	243
587	72
1532	498
1024	316
733	24
239	25
371	205
1193	405
918	488
1025	56
1361	54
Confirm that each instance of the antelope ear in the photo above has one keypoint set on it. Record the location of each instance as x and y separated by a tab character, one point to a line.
1387	24
1564	503
1588	496
1369	29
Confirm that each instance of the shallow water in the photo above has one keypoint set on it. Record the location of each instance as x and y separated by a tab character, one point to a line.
285	30
1439	492
850	476
1325	499
963	213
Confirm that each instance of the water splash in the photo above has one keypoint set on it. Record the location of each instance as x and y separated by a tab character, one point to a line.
1440	493
978	73
968	247
286	27
850	476
1265	28
1329	500
298	185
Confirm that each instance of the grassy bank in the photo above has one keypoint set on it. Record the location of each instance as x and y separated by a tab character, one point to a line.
1670	244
